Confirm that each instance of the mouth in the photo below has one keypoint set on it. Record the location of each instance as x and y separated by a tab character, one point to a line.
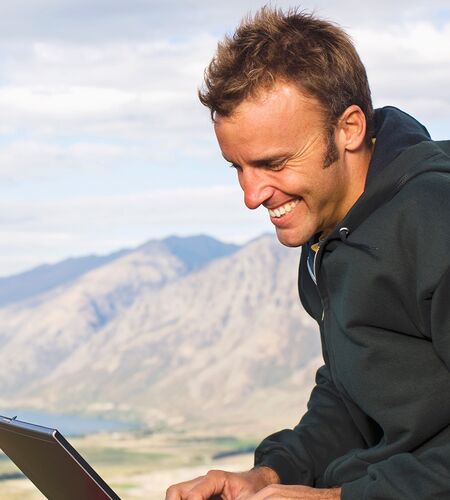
281	211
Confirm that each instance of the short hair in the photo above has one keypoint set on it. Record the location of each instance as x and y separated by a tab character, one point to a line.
293	46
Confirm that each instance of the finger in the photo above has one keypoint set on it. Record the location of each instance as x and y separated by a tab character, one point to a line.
211	485
180	491
282	491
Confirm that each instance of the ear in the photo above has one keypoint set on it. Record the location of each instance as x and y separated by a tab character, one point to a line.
352	128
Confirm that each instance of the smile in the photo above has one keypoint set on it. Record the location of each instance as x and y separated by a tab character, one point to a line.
284	209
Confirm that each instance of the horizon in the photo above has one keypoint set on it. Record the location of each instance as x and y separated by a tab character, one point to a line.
134	248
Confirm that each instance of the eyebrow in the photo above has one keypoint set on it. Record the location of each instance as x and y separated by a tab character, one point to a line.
261	162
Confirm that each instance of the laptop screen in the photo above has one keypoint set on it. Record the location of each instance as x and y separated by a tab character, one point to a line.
51	463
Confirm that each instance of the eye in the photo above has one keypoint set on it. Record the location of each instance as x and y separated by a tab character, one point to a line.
236	167
275	167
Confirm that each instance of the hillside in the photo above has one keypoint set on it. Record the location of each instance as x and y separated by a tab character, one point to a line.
166	336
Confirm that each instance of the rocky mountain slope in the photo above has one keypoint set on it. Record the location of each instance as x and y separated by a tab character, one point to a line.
47	276
167	334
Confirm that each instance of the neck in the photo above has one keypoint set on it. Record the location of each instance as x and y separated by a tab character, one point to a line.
357	167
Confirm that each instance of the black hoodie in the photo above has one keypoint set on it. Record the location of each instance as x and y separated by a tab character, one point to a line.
378	420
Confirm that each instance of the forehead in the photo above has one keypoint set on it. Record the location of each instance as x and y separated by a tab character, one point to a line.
277	116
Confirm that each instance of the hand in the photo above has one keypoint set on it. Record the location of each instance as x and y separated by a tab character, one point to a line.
280	491
225	485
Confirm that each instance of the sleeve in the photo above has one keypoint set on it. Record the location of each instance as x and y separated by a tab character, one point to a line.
325	432
415	477
423	474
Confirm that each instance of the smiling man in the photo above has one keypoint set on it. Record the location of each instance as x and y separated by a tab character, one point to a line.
367	196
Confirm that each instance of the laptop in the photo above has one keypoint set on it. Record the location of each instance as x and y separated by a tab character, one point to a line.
51	463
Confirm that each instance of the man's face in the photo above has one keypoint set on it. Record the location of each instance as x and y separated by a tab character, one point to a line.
277	143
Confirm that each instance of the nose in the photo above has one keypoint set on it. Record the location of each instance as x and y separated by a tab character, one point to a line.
254	183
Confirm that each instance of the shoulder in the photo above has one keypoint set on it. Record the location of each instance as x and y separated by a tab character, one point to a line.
428	189
424	194
421	211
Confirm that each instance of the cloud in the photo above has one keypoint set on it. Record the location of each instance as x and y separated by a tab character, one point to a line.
177	207
86	21
80	226
409	66
144	88
126	64
140	95
25	160
100	97
105	80
143	95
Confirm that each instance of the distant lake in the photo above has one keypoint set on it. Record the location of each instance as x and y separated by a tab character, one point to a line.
71	425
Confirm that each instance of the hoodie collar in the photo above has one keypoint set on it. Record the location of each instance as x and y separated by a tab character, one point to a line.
403	150
395	131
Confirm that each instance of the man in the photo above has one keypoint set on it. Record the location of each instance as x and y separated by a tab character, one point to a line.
367	195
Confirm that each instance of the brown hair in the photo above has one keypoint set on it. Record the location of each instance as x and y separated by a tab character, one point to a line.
295	46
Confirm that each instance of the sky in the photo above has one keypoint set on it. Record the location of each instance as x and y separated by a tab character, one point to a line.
103	143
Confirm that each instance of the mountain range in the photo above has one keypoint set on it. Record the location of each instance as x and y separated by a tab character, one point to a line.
175	330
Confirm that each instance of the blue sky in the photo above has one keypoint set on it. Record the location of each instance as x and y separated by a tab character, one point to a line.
103	143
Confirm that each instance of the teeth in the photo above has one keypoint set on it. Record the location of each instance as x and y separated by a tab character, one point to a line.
280	211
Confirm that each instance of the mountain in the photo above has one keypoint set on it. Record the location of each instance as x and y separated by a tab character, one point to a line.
193	251
167	333
47	276
197	251
39	332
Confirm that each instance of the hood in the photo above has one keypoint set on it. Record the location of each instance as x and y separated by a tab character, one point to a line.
403	150
395	131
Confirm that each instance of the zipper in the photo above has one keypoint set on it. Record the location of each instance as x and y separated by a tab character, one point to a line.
313	269
316	264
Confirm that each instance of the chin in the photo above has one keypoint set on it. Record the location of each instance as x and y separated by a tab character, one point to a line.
290	240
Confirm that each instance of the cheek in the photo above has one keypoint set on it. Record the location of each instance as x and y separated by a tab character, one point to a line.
318	190
293	180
